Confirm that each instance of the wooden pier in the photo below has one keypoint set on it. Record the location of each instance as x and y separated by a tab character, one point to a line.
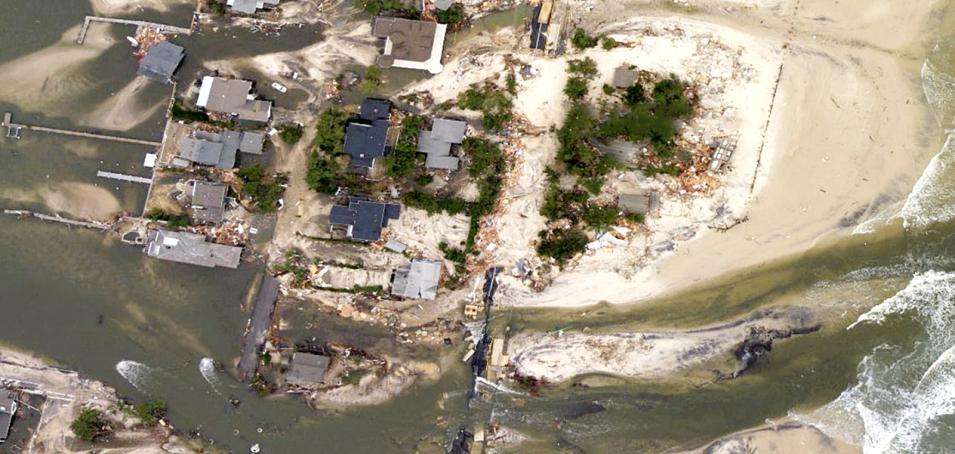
90	135
70	222
139	23
123	177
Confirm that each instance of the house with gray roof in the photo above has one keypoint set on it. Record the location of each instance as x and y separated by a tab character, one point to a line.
8	409
218	148
418	280
161	61
249	6
410	44
437	143
190	248
306	370
232	96
375	110
362	218
208	202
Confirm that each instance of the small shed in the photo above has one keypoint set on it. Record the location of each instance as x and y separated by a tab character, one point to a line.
634	203
306	370
625	77
418	280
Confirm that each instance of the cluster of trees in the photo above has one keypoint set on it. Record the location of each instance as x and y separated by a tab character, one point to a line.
404	157
453	16
375	7
324	172
651	117
265	190
494	105
372	80
90	424
581	72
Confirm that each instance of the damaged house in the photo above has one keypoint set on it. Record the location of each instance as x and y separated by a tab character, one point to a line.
233	97
161	61
190	248
249	6
419	280
306	370
217	149
208	202
362	218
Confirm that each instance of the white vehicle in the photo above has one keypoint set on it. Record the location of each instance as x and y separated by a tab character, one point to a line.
281	88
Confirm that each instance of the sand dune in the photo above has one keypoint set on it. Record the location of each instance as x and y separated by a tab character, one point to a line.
78	200
115	7
121	112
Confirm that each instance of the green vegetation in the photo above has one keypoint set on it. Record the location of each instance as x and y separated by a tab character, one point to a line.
607	43
582	40
372	80
403	158
435	204
600	217
150	412
88	425
265	190
608	90
576	88
562	244
324	172
424	180
291	133
172	220
575	152
452	254
452	16
511	83
561	204
652	118
494	105
586	67
592	185
181	113
486	157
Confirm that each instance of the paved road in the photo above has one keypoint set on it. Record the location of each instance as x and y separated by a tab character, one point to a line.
259	326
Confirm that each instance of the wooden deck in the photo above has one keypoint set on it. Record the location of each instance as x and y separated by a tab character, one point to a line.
123	177
91	135
139	23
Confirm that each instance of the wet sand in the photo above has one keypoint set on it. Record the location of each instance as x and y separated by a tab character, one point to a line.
77	200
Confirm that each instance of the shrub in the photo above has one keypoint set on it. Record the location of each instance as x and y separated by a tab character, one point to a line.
453	15
265	190
562	244
511	83
292	133
455	255
403	158
322	174
424	180
592	185
494	105
434	204
650	120
172	220
486	156
600	217
607	43
609	90
634	95
330	131
180	113
586	67
88	425
582	40
372	80
576	88
151	411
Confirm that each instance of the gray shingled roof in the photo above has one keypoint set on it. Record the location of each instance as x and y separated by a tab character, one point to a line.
252	142
306	369
208	202
441	162
375	109
231	96
365	143
623	77
418	280
191	248
249	6
207	152
634	203
161	61
447	130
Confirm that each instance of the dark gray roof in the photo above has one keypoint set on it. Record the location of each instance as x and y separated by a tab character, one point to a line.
418	280
161	61
306	369
364	218
373	109
623	77
429	145
8	407
191	248
441	162
207	153
365	143
252	142
208	202
447	130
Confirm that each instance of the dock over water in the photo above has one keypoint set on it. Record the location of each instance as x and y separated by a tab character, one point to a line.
139	23
61	220
8	123
258	326
123	177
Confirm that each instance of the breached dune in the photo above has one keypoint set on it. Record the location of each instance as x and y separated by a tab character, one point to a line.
121	112
115	7
47	80
78	200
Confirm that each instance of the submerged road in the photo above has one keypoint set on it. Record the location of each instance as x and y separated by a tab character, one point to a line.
258	326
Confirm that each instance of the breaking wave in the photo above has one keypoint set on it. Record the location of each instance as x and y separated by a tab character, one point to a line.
207	367
136	373
902	394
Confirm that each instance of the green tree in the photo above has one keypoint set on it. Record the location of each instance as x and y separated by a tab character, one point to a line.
576	88
582	40
586	67
292	133
600	217
634	95
88	424
322	174
151	411
562	244
607	43
453	15
486	157
330	131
